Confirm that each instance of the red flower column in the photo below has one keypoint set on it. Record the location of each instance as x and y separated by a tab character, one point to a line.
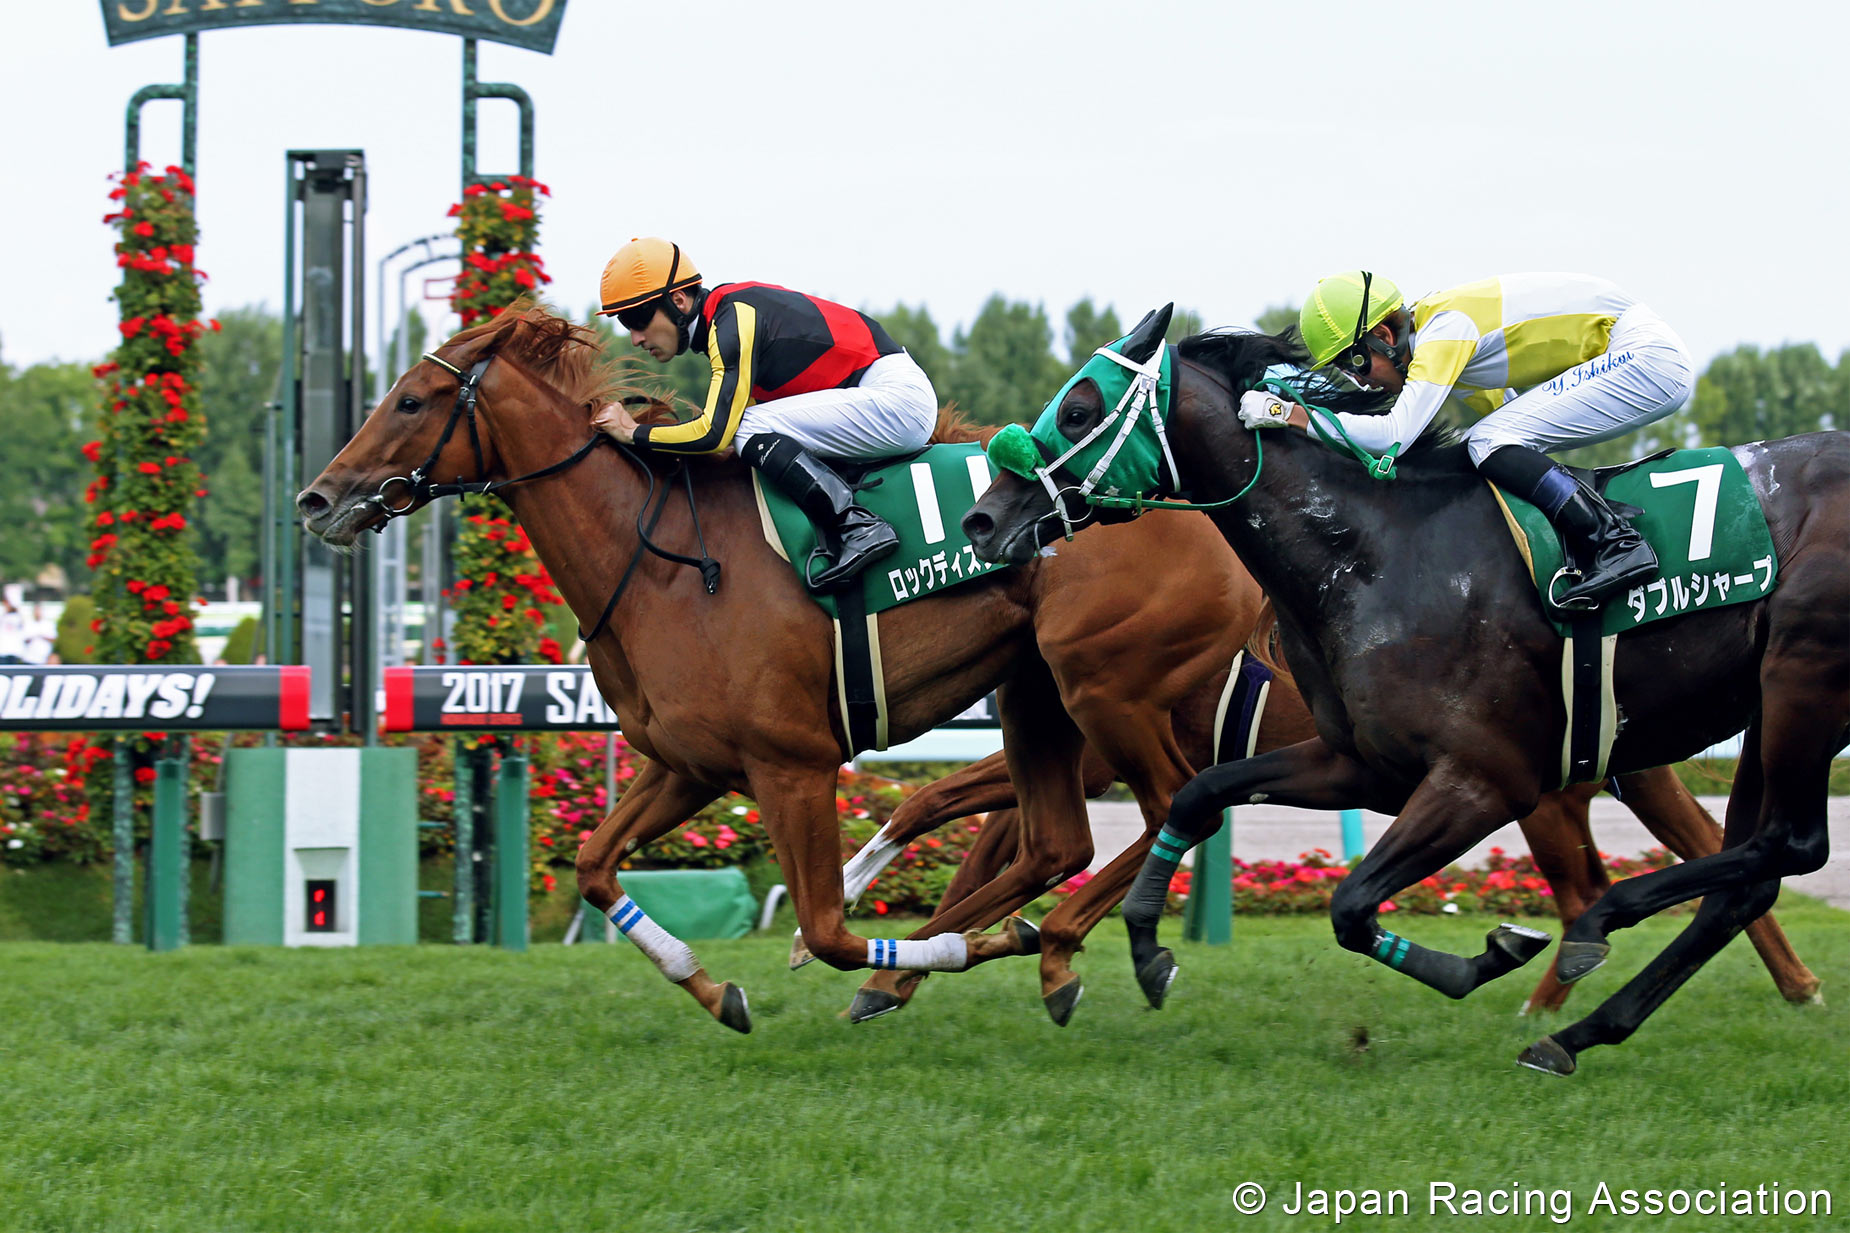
499	581
147	482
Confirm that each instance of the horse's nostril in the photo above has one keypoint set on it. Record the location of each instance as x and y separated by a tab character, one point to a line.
309	503
979	526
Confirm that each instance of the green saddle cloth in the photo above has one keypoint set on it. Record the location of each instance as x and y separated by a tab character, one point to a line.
1701	517
924	496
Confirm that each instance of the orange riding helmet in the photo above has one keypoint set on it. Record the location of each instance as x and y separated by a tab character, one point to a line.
642	271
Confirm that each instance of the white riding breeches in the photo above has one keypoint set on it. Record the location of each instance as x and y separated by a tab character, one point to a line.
1645	374
891	411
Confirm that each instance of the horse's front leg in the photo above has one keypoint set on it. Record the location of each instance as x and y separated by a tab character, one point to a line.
655	804
798	808
1309	774
1450	810
977	788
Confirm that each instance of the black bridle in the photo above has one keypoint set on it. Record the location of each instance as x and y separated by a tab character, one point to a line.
420	488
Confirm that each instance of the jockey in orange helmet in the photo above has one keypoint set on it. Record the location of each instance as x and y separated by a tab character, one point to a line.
796	379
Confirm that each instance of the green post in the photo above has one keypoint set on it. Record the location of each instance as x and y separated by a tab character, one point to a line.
1208	916
122	837
510	893
462	901
166	856
1354	845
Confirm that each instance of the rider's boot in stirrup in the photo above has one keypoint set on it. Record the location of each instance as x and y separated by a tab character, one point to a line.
853	536
1621	558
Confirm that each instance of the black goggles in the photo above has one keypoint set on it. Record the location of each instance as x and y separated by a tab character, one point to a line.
640	317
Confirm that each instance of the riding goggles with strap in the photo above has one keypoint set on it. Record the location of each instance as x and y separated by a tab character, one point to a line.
1126	452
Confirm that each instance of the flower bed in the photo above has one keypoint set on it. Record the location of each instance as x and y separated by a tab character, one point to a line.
1507	885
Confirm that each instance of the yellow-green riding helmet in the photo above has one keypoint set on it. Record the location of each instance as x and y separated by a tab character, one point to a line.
1339	314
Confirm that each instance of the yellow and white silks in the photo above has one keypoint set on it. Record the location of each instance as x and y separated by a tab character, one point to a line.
1546	360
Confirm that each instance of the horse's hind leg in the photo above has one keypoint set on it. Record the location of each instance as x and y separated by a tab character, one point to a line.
1666	808
1776	827
655	804
1138	739
1722	915
1562	847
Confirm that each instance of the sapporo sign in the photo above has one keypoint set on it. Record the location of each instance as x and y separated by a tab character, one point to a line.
533	24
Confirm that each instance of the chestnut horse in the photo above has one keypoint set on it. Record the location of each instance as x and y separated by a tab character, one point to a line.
731	690
1434	678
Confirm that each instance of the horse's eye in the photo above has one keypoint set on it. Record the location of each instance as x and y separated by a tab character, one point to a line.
409	404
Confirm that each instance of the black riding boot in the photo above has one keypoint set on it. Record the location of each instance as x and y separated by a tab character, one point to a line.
1621	558
851	535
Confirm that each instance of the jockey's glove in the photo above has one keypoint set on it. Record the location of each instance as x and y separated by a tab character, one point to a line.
1263	409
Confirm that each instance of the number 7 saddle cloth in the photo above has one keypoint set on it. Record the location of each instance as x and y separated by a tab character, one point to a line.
1700	514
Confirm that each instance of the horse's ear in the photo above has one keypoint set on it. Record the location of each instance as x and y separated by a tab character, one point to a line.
1148	336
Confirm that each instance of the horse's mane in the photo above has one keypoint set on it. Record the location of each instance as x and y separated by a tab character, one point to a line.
954	426
567	356
1244	356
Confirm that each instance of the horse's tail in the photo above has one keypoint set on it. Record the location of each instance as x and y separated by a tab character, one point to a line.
954	426
1263	643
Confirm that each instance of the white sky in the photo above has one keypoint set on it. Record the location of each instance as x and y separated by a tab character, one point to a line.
1223	155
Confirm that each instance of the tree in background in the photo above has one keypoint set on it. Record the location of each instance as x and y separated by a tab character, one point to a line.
48	412
239	368
913	329
1005	370
1275	319
1088	329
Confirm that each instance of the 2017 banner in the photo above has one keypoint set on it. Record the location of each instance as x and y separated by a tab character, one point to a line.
526	698
532	24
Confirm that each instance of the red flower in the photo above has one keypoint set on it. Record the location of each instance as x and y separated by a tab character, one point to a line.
149	468
93	451
144	229
144	774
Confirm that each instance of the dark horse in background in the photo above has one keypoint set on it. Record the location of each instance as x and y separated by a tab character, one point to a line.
1418	640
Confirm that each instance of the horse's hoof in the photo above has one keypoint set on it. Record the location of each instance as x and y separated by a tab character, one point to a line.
1061	1001
1157	975
1519	942
799	954
1579	958
1548	1057
871	1004
733	1012
1027	937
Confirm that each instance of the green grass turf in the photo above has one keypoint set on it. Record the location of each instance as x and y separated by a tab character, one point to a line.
572	1088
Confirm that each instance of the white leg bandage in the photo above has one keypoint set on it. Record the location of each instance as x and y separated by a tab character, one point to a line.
864	866
664	950
944	953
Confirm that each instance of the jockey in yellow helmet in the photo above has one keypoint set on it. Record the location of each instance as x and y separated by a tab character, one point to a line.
796	379
1548	361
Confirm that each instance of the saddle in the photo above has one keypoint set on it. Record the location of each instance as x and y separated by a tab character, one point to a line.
924	497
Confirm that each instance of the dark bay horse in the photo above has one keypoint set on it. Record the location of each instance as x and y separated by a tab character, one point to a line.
1557	832
731	691
1419	643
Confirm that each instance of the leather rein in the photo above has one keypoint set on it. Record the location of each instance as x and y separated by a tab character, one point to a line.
420	488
